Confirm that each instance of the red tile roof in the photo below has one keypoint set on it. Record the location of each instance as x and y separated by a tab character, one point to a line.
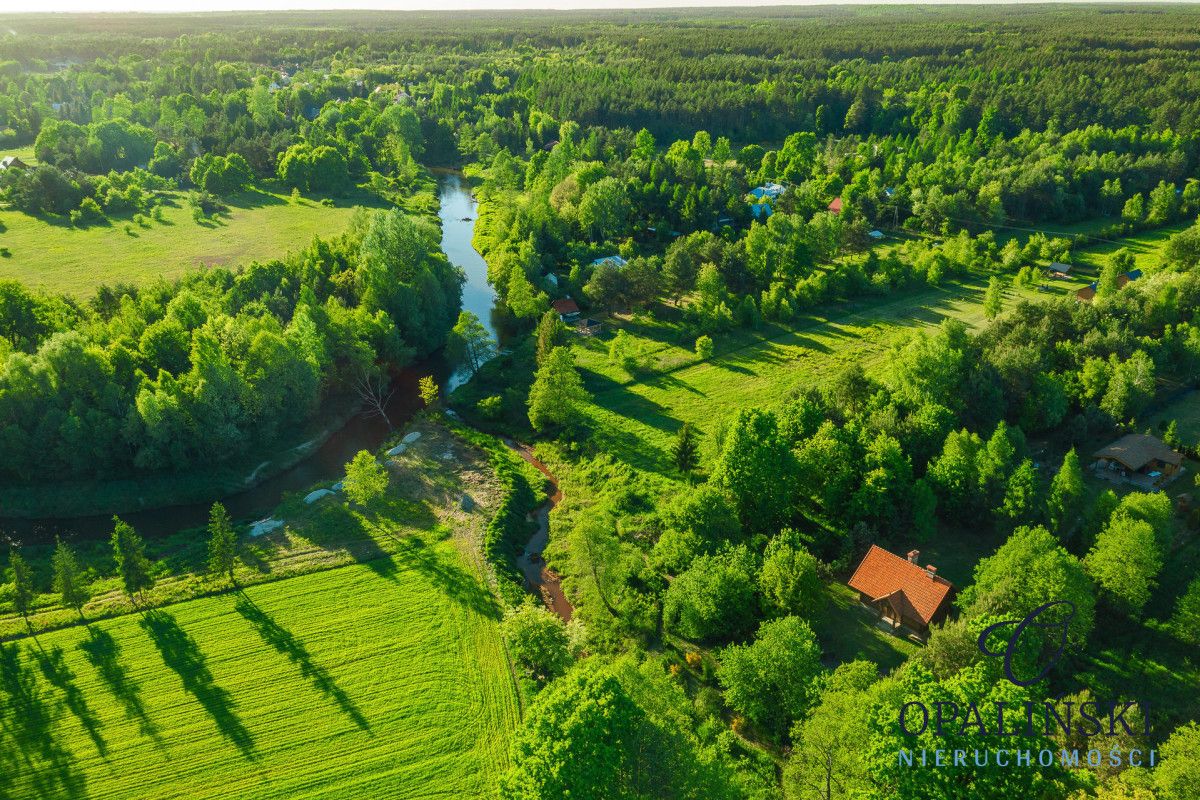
835	205
565	306
882	574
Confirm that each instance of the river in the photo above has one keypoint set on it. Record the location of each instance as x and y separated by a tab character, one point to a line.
327	462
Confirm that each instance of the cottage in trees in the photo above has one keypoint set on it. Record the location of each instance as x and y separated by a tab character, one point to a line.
12	162
1139	459
566	308
614	260
903	593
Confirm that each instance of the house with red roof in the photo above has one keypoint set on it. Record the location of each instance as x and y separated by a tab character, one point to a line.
566	308
902	592
835	205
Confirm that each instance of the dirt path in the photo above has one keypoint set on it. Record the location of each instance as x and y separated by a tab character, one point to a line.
538	576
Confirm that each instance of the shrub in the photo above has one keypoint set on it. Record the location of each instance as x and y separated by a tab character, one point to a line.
490	407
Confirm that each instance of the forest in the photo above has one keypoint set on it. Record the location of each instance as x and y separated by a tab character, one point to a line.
775	289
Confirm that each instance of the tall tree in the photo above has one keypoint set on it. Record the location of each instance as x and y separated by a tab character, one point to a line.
222	543
1125	562
557	394
827	762
551	333
470	343
22	597
758	469
68	579
770	680
129	551
788	579
1066	494
993	299
686	450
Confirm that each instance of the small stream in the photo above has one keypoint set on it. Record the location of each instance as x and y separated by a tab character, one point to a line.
327	462
532	563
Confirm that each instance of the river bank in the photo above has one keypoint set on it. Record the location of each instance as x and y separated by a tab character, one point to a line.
158	505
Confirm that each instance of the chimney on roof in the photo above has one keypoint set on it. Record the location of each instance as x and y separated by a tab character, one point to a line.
913	555
931	570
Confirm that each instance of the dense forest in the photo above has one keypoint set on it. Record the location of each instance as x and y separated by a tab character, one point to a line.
809	273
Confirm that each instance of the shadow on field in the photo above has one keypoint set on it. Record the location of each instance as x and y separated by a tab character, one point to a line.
459	585
55	670
284	642
102	652
27	743
181	653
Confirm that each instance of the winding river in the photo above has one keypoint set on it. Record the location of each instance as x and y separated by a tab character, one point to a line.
362	432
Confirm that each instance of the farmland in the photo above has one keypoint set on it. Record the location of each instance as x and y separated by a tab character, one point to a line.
368	680
360	657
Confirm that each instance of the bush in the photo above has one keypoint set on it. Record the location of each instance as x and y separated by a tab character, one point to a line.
490	407
704	347
537	640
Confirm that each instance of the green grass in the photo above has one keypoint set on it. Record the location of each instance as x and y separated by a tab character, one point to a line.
1146	248
361	658
848	632
636	418
1185	412
371	680
47	252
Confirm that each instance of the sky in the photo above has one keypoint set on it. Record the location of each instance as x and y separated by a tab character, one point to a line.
11	6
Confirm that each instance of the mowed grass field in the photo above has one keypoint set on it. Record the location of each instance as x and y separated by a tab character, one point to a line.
47	252
370	680
639	416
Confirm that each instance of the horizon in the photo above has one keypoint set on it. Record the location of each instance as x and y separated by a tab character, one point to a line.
456	6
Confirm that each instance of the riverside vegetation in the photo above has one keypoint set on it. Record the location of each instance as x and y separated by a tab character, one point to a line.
874	348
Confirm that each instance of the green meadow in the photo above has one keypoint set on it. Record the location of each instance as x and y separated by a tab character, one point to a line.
361	656
49	253
365	681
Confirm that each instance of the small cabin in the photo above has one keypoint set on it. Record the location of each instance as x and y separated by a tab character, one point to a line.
903	593
567	309
1138	458
835	205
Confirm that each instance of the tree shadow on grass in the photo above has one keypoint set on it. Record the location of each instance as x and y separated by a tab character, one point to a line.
102	652
54	668
180	652
445	574
27	736
284	642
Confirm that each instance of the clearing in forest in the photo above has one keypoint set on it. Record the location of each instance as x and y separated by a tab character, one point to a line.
48	253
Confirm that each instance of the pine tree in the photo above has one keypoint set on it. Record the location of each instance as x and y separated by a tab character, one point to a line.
686	451
22	597
551	333
1066	490
130	553
68	579
222	543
